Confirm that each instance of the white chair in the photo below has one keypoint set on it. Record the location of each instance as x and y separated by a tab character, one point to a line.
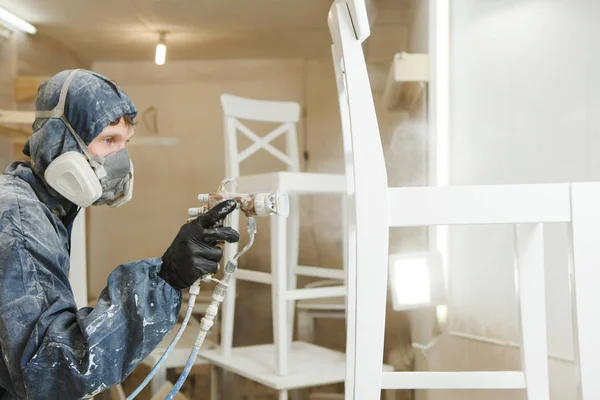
527	207
283	365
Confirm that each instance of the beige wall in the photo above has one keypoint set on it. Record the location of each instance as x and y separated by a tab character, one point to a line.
43	56
8	61
8	65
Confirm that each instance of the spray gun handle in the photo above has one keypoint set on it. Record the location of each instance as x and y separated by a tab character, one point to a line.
197	211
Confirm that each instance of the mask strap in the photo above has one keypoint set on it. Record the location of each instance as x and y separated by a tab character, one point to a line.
59	110
95	161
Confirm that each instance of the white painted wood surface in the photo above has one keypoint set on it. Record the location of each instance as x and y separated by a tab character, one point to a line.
585	275
293	182
360	16
432	206
529	266
406	70
260	110
454	380
367	210
319	272
316	293
309	365
350	211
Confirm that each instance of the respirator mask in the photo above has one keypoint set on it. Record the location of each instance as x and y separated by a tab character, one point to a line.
87	179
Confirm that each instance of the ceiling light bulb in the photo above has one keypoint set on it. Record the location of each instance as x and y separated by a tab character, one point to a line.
161	50
12	21
161	54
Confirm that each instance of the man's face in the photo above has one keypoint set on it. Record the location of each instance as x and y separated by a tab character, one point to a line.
112	139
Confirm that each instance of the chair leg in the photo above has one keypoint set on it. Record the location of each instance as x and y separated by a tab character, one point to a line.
278	291
283	395
293	242
344	205
532	295
585	198
306	328
214	382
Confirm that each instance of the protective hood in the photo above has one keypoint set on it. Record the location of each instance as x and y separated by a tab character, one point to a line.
92	103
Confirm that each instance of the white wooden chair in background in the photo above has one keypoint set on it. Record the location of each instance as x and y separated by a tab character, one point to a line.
527	207
285	364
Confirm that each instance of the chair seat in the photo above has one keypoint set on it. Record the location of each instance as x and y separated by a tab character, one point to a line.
309	365
292	182
179	355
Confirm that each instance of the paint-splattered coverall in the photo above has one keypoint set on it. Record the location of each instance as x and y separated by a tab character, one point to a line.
49	349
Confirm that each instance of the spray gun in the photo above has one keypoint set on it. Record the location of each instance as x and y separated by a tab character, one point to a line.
260	204
252	205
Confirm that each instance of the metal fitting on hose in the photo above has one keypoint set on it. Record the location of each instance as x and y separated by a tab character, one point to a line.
231	266
195	288
206	324
212	310
251	225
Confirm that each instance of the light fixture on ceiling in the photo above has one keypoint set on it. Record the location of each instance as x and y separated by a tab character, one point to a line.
161	49
11	21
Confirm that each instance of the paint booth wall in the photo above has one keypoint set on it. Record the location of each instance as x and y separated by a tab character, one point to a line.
524	109
168	179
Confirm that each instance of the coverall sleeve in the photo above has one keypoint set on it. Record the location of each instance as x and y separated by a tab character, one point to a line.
53	350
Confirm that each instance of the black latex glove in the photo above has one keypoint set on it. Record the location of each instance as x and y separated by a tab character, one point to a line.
194	251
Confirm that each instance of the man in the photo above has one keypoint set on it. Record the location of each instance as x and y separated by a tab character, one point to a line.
51	350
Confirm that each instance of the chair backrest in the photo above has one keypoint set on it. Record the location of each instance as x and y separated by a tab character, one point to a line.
237	108
367	198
